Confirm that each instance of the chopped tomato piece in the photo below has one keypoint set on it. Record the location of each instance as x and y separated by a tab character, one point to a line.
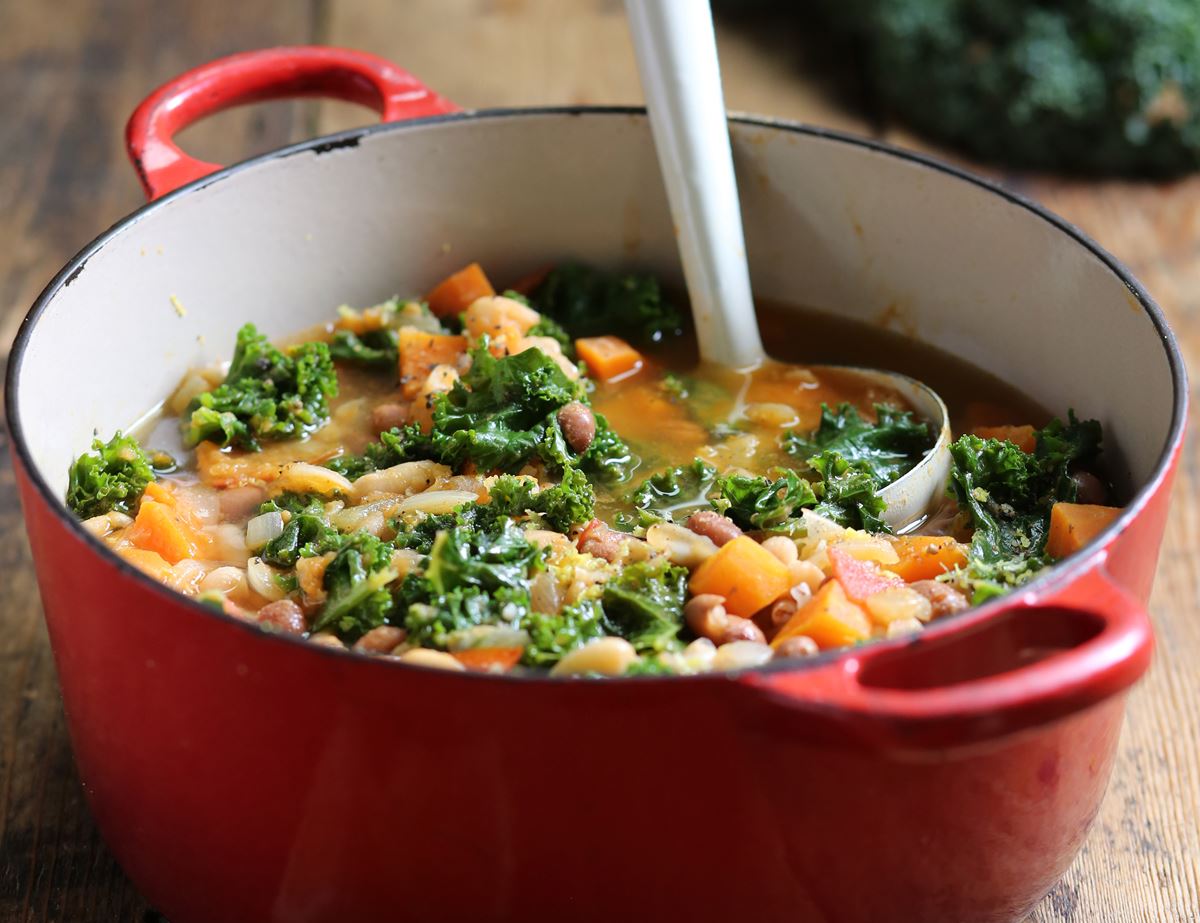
860	579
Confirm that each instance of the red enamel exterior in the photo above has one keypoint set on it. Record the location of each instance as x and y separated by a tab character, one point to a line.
255	76
239	776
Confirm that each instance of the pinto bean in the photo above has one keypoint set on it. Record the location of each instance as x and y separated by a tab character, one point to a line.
706	616
1089	488
240	502
599	540
719	528
740	629
283	615
943	598
381	640
798	646
578	426
388	415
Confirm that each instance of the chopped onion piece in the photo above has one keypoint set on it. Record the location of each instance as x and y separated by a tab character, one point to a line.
263	529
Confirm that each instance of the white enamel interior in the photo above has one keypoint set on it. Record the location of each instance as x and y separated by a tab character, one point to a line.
829	224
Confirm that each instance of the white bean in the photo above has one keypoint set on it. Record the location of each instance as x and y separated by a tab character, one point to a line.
699	655
400	480
306	478
806	574
902	627
105	523
606	656
261	577
738	655
223	580
681	546
352	518
424	657
435	502
783	548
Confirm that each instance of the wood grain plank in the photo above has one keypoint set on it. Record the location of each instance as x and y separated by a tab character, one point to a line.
70	74
494	53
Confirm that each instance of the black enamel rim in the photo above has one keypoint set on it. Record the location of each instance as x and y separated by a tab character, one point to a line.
1056	577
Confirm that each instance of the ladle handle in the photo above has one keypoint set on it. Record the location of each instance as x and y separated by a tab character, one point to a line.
676	52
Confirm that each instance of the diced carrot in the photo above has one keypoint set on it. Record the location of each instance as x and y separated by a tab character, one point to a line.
158	527
923	557
608	357
489	659
157	490
1073	525
745	573
456	292
859	579
150	563
420	352
829	618
528	283
1023	437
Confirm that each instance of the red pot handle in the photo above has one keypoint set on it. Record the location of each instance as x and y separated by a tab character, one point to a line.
1032	662
254	76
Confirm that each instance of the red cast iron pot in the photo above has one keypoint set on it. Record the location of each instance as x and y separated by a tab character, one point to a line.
239	776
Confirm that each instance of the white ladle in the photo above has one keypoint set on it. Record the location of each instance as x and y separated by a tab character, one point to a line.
676	51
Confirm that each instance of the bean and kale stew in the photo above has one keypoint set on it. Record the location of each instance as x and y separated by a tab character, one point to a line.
547	479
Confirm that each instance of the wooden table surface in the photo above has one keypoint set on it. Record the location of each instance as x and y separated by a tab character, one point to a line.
70	73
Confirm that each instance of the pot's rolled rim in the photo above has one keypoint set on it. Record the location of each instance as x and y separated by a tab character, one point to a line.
1056	576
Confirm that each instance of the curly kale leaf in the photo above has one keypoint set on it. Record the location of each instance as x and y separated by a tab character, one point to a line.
887	448
551	636
673	493
497	415
644	604
472	578
267	394
1009	494
501	414
307	532
379	348
566	504
762	502
848	494
589	302
432	618
982	580
112	476
485	559
399	444
608	458
1095	85
357	583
